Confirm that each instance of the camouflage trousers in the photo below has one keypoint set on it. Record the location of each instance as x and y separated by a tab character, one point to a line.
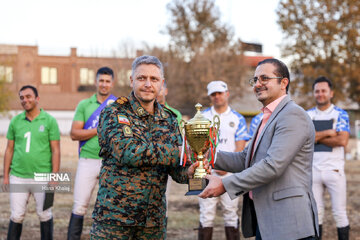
104	231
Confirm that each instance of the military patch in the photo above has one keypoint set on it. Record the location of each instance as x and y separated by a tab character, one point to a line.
122	100
123	119
127	131
164	114
140	111
110	102
232	124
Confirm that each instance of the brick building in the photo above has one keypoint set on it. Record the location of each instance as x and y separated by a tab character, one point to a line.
62	81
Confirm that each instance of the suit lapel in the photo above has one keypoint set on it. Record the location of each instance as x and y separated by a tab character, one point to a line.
278	108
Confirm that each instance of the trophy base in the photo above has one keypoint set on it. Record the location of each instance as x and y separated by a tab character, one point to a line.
196	186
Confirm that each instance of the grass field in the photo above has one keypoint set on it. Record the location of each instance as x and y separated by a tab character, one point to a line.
183	211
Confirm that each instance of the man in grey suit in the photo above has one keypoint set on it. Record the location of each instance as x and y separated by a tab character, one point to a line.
274	172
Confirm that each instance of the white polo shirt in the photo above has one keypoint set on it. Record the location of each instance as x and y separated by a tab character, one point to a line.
331	160
254	124
232	128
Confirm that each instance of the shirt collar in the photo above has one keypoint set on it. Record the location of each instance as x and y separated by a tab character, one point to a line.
159	112
227	111
40	116
271	106
326	111
93	98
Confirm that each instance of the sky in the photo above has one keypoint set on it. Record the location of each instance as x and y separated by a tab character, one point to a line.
102	27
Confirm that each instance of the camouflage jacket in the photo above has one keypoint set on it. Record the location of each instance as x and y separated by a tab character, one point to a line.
139	150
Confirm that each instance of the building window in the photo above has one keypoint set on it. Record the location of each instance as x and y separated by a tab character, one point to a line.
48	75
124	77
6	73
87	76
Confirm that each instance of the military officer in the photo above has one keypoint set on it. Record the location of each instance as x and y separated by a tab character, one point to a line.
139	142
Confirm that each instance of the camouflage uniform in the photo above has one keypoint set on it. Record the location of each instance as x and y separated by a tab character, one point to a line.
139	150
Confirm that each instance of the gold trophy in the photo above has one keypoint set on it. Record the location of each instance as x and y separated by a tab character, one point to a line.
200	134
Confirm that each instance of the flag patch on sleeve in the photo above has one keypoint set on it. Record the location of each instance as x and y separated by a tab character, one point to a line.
123	119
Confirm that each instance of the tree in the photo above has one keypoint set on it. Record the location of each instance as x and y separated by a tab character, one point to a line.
201	49
322	37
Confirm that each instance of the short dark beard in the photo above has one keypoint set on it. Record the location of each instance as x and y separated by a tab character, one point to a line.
142	100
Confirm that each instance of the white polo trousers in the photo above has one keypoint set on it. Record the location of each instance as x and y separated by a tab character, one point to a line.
19	201
335	183
86	178
229	210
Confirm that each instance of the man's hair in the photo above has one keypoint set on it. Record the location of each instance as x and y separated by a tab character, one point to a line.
105	71
280	71
31	87
145	59
322	79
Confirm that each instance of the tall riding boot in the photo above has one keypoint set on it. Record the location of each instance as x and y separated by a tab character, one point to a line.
232	233
343	233
205	233
14	231
46	229
320	231
75	227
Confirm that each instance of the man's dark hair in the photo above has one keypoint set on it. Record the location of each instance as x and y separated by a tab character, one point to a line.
322	79
106	71
280	71
31	87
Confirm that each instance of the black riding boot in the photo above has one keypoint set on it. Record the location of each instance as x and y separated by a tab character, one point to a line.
14	231
46	229
232	233
343	233
75	227
205	233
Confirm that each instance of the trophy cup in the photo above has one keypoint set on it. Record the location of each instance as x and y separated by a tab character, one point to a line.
200	135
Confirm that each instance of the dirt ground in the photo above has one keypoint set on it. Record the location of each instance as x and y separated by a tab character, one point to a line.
183	211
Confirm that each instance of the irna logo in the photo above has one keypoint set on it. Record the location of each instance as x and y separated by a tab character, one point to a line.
54	177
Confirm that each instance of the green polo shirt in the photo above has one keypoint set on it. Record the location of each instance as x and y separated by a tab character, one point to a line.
32	150
83	111
177	113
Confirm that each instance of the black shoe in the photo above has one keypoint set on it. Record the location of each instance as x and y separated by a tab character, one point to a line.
14	231
46	229
75	227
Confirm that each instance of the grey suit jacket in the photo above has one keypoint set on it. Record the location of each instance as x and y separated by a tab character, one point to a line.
279	174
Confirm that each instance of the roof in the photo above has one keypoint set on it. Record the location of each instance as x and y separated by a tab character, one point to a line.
252	61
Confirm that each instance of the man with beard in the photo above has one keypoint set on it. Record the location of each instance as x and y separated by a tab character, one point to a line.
328	165
274	172
140	143
84	130
33	147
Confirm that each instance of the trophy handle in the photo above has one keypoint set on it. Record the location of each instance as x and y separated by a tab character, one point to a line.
182	127
216	124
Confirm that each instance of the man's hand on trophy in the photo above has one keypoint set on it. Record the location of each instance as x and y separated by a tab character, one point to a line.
214	188
191	169
207	166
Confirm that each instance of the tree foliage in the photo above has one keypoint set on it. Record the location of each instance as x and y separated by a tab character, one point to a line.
322	37
201	49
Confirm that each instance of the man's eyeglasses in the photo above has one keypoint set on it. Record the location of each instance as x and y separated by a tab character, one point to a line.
262	80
